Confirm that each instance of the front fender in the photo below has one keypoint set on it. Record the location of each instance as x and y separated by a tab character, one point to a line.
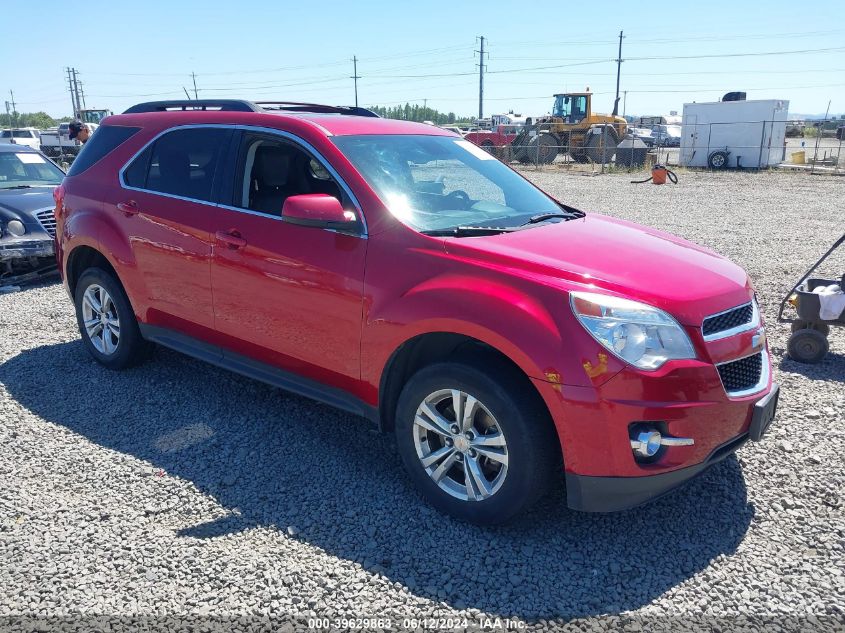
529	326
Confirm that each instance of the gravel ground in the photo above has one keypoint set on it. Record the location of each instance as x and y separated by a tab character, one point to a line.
177	490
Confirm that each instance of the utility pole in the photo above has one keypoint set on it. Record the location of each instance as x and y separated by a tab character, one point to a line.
14	110
355	77
194	78
481	68
618	71
186	93
74	105
76	114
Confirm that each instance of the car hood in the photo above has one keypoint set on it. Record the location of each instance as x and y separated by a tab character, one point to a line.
23	203
597	253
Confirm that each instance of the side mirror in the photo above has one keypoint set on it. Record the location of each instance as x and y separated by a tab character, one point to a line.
319	210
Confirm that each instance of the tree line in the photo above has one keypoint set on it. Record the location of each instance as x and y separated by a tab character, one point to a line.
420	113
40	120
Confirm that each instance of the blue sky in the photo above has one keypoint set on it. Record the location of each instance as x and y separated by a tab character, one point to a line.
140	51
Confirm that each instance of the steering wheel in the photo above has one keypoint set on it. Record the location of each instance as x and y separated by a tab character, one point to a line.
460	195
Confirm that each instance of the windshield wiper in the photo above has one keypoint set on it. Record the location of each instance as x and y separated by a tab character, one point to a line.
468	231
568	214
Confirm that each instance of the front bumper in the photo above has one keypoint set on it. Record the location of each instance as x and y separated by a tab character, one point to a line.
611	494
26	247
685	400
26	259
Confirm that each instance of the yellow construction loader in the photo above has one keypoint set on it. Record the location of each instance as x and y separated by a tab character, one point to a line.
572	127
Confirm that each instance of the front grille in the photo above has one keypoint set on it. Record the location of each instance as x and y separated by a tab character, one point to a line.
48	221
742	374
727	320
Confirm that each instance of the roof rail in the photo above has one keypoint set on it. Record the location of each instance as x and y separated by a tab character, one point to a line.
318	108
224	105
241	105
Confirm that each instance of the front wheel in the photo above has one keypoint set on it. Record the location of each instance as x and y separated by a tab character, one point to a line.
478	448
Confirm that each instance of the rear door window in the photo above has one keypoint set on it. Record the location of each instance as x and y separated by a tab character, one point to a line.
181	163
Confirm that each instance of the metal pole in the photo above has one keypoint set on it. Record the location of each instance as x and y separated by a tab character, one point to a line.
624	102
618	73
186	93
14	110
481	80
194	78
77	114
818	138
74	107
355	77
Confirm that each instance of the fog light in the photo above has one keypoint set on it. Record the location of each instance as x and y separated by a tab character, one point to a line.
646	443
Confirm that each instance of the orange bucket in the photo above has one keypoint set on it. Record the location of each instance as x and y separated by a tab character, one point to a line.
658	175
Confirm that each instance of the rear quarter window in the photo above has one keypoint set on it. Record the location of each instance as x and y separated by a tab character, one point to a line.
102	142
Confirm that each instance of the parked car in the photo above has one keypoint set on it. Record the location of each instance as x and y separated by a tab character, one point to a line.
399	272
667	135
28	136
27	222
642	134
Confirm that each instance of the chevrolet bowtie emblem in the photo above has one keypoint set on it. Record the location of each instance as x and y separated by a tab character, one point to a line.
758	340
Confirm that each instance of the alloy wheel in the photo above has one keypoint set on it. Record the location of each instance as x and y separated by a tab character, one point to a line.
460	445
99	316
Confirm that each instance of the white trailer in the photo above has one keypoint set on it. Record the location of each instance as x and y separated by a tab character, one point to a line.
734	133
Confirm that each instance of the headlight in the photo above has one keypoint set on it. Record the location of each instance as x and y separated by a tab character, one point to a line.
635	332
16	228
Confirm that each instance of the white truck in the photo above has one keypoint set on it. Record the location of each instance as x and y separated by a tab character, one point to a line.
28	136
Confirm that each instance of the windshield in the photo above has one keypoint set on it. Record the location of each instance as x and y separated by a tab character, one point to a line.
572	108
27	169
442	182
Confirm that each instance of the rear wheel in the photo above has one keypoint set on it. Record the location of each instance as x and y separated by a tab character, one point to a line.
717	160
807	346
476	447
106	321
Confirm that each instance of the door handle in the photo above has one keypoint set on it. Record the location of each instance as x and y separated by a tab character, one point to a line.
129	208
232	239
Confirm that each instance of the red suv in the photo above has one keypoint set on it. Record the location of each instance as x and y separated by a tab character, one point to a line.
402	273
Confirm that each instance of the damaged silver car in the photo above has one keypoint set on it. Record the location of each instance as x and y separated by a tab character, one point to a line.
27	223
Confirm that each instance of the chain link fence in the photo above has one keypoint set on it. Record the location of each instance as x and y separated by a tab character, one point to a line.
813	147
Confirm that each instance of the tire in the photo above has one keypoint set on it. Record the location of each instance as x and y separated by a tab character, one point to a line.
488	147
601	147
807	346
546	149
580	157
818	326
717	160
117	342
513	422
